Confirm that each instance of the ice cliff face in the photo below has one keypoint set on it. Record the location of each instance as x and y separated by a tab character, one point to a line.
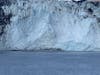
51	24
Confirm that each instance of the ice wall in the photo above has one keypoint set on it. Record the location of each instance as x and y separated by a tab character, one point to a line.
52	24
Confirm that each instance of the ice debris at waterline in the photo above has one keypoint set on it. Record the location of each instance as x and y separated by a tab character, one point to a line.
49	24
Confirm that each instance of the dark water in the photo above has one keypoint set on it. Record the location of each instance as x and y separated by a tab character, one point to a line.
49	63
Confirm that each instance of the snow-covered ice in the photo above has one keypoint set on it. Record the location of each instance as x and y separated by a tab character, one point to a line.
44	24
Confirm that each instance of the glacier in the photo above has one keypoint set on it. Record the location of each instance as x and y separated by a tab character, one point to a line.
52	24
